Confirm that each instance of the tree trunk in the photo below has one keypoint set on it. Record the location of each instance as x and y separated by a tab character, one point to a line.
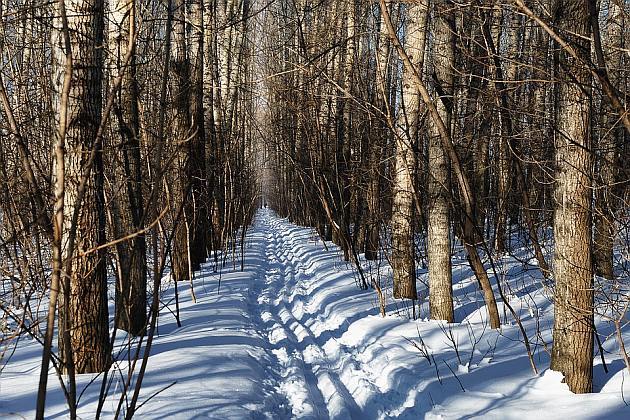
438	234
131	301
83	313
375	146
504	155
403	258
573	324
181	210
612	135
197	171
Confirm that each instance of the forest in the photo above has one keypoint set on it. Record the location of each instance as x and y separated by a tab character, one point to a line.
401	209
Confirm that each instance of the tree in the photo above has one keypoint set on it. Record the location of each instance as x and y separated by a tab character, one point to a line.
83	315
181	214
610	141
438	230
573	322
469	231
131	284
403	258
198	207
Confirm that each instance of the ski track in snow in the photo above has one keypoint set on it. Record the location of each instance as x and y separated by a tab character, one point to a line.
311	381
291	337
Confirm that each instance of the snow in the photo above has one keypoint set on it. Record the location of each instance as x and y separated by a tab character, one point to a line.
291	336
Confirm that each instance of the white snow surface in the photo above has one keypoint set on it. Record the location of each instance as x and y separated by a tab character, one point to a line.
291	336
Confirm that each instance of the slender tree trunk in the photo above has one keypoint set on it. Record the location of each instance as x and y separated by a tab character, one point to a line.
131	301
375	147
573	324
612	135
346	134
504	160
210	128
197	173
403	258
438	234
503	189
181	144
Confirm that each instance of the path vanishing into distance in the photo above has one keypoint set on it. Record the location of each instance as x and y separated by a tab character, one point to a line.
291	336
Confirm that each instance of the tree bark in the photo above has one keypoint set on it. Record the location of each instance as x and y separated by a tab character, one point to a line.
438	226
83	312
611	137
573	324
182	135
131	301
403	256
198	207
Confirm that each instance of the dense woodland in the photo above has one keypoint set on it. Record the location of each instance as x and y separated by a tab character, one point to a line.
139	137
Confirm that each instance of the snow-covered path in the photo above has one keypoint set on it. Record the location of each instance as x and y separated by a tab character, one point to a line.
310	381
291	336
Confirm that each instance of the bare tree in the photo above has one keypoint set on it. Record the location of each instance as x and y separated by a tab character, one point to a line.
438	231
131	285
182	139
402	222
83	315
573	321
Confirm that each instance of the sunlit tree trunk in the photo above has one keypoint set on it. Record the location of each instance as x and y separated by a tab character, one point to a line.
438	234
573	324
402	259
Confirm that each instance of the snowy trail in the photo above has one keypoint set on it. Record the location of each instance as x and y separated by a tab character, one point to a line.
292	337
337	359
310	382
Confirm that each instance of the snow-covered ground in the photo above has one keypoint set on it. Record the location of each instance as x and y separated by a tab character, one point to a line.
292	336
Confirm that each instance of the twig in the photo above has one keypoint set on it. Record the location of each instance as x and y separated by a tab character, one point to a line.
156	393
455	375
